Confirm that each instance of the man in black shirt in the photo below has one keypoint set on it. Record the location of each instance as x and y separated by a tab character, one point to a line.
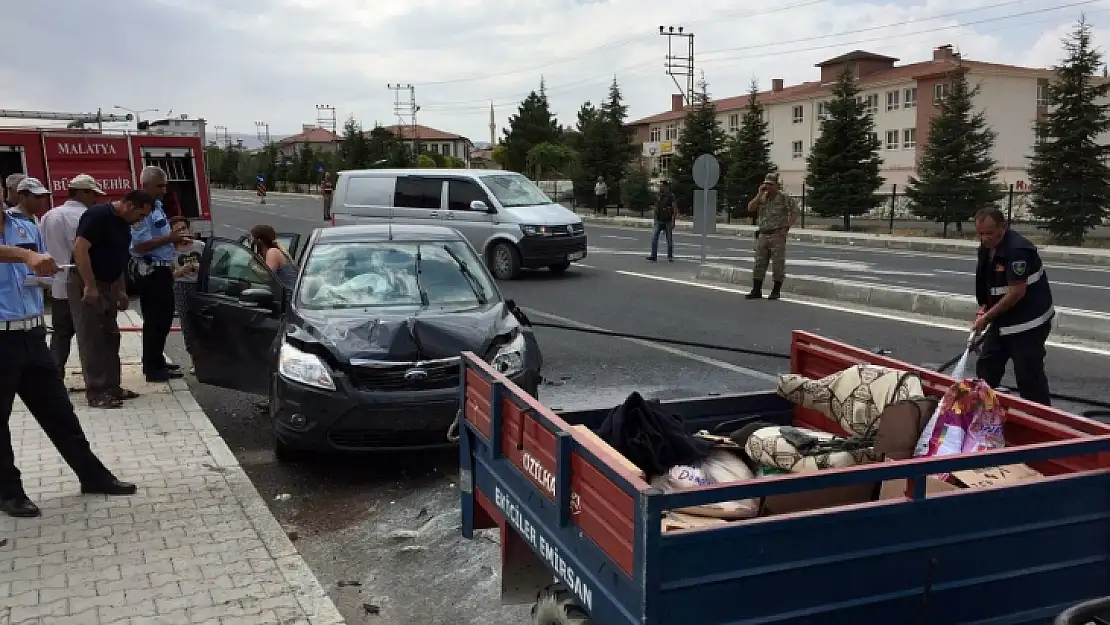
1012	290
96	290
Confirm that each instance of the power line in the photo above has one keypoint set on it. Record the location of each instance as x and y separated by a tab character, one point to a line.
642	67
612	44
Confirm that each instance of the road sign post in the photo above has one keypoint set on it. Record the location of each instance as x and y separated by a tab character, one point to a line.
706	173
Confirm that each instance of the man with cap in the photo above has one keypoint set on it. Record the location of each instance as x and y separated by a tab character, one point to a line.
10	193
59	230
776	213
153	242
28	371
30	200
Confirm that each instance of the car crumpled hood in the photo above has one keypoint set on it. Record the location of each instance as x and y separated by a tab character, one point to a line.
389	336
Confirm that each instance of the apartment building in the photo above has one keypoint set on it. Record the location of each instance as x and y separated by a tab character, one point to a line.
901	98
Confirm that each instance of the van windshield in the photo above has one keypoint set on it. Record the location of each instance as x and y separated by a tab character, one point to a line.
428	274
514	190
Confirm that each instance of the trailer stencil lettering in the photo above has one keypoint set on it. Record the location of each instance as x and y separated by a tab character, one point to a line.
549	552
546	479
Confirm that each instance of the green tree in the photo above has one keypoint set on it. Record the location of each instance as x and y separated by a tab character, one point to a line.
748	159
303	170
843	167
956	174
1068	171
587	142
550	159
533	124
616	140
425	161
636	190
354	149
454	162
385	150
701	134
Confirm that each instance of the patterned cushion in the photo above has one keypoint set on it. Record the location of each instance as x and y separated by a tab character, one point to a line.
854	397
768	448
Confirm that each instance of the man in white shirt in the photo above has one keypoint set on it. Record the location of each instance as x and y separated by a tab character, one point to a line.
59	231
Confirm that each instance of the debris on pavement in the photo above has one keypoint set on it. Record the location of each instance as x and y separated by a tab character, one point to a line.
370	608
283	497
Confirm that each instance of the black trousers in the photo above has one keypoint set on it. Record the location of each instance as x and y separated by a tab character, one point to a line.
27	369
156	302
1027	350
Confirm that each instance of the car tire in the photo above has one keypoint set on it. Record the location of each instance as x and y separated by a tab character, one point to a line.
559	267
285	454
556	605
504	261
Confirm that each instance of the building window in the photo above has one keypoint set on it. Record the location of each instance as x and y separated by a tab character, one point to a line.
892	139
940	91
892	100
435	148
870	103
734	122
665	164
1042	95
823	110
796	150
909	100
654	134
909	138
447	149
799	114
671	132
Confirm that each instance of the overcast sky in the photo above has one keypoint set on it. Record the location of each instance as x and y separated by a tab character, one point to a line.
237	62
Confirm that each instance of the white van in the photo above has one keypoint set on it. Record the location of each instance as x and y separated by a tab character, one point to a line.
506	217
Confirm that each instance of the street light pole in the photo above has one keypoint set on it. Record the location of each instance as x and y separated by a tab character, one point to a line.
134	112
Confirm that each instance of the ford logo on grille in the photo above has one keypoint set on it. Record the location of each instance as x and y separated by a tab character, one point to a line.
416	375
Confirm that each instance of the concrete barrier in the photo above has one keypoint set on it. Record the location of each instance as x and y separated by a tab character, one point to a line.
1052	253
1080	324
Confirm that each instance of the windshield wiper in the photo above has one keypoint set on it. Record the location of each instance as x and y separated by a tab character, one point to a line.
419	287
471	279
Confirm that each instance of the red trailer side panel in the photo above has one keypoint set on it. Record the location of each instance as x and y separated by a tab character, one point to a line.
106	158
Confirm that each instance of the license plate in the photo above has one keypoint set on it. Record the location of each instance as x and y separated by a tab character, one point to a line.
576	256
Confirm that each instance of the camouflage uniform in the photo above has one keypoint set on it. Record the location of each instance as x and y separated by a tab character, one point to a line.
775	214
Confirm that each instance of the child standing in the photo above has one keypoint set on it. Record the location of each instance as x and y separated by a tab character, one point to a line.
186	264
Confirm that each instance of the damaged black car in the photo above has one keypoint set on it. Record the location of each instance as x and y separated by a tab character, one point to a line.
363	353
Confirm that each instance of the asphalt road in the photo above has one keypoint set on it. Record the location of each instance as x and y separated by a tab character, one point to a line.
346	513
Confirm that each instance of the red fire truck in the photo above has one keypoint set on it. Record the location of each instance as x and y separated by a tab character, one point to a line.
115	159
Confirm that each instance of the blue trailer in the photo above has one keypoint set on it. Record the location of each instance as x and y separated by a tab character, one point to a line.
582	535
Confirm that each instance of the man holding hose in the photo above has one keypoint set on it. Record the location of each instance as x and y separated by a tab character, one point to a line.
1015	301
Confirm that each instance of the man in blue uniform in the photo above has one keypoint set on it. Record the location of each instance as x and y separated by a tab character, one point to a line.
27	369
1015	301
152	247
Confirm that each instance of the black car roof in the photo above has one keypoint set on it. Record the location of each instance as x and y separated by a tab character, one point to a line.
383	232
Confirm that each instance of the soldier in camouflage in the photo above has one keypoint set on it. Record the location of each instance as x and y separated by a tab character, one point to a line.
776	213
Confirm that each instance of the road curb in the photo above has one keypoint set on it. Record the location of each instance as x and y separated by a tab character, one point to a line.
1052	253
1071	322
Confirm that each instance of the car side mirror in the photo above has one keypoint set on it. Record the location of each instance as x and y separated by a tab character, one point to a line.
258	296
480	206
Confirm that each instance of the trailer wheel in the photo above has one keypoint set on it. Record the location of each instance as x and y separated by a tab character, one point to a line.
556	605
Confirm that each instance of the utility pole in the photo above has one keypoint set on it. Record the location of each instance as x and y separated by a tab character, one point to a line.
492	127
324	120
407	110
263	130
227	139
679	65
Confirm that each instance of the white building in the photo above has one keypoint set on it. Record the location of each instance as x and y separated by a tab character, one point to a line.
902	99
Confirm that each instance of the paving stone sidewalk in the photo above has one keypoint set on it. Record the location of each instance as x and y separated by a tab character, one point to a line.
195	545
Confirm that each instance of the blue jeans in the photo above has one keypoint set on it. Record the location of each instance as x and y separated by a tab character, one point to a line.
663	227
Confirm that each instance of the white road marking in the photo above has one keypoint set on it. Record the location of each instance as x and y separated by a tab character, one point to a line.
1051	281
231	227
613	236
584	266
663	348
846	308
254	209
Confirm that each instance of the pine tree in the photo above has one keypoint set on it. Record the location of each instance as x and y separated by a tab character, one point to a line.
748	159
1068	171
589	144
532	125
701	134
617	139
843	167
956	175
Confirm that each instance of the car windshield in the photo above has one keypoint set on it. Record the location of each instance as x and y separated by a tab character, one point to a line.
385	273
514	190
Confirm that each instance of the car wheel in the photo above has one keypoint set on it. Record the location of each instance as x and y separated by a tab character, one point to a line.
285	454
504	261
559	267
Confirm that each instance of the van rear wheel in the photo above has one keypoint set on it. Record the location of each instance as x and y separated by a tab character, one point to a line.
556	605
504	261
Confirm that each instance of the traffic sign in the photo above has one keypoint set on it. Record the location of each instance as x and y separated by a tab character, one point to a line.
707	171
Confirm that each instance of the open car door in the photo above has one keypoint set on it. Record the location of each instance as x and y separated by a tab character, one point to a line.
233	324
289	240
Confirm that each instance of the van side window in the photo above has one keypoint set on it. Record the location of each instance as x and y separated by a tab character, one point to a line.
418	193
369	191
460	193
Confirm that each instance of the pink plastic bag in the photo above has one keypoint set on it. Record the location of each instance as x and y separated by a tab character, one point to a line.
967	419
